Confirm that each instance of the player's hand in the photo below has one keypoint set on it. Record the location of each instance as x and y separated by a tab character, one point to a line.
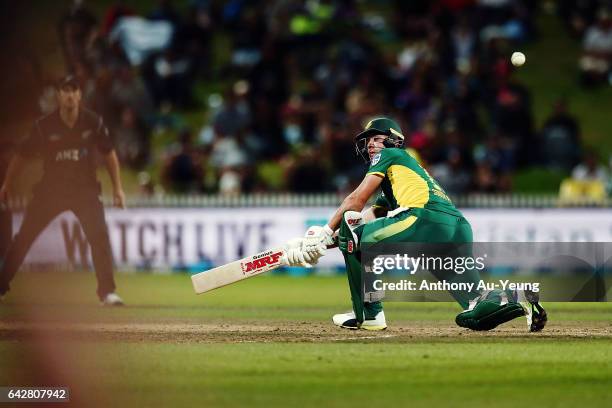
312	254
119	198
294	256
317	237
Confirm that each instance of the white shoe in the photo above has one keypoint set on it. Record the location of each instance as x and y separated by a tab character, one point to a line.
377	323
348	321
112	299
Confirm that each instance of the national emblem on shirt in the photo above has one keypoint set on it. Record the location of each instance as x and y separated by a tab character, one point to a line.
375	159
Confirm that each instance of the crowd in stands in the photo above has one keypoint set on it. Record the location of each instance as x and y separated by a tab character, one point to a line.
300	78
590	21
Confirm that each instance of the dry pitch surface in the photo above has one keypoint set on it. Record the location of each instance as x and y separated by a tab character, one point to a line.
269	341
264	309
284	332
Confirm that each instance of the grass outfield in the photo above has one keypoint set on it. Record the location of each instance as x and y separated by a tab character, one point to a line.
269	341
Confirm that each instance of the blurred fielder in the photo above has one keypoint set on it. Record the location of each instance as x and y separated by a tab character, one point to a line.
66	140
412	207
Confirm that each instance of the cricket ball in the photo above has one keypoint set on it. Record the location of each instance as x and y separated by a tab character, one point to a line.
517	58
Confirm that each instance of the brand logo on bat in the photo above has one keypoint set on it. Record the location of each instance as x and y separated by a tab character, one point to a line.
257	265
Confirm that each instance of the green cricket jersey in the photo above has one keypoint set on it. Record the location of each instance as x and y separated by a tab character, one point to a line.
407	184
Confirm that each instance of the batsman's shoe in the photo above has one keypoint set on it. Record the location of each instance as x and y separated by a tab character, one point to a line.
377	323
349	321
489	311
112	299
346	320
534	312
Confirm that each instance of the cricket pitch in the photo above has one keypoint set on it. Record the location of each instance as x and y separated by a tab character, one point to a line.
269	341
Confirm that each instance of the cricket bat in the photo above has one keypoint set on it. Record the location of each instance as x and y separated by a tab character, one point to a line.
238	270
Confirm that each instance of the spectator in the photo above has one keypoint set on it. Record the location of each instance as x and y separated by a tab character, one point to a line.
182	171
307	174
412	19
590	169
165	11
100	98
597	51
234	116
560	139
338	147
508	19
485	179
146	186
588	182
464	42
495	164
415	102
230	182
267	128
77	31
131	140
512	118
138	38
112	16
169	78
195	37
577	15
229	159
128	90
452	174
335	80
248	37
227	152
84	74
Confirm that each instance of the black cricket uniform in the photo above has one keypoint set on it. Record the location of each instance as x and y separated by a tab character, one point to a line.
69	183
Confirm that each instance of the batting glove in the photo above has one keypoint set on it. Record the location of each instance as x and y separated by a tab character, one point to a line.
312	254
319	236
295	256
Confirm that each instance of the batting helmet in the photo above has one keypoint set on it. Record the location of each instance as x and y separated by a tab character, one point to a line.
379	126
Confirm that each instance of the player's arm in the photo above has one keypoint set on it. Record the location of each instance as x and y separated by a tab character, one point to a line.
374	212
106	148
357	199
15	166
318	239
112	166
27	148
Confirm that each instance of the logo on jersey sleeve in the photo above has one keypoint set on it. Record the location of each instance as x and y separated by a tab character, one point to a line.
375	159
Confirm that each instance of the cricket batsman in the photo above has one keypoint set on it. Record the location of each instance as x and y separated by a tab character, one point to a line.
411	208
